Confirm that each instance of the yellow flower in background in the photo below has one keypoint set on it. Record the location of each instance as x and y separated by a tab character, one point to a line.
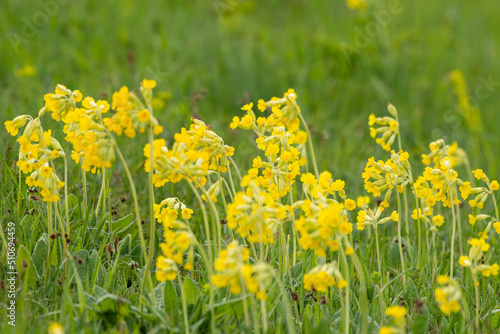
356	4
26	71
396	311
56	328
148	84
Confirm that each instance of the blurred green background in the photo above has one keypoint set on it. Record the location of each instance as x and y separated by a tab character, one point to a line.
210	57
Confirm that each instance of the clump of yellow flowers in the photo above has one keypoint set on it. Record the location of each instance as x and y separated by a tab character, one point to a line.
281	204
322	277
234	271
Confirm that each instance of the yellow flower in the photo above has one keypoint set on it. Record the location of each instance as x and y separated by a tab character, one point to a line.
148	84
443	279
438	220
182	240
395	216
362	201
393	125
385	330
307	178
45	171
396	311
479	174
26	71
186	213
494	185
464	261
350	204
356	4
235	123
143	115
247	107
11	128
56	328
342	284
348	250
261	104
157	129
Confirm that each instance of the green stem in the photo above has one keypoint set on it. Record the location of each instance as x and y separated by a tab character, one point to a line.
19	195
50	223
419	230
209	247
84	180
152	221
66	205
184	306
138	219
454	223
476	290
347	292
310	144
400	241
214	212
378	249
363	289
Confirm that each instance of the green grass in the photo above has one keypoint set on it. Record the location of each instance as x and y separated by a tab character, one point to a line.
236	52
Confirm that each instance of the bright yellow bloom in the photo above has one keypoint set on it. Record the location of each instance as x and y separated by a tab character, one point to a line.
479	174
143	115
148	84
494	185
396	311
464	261
438	220
56	328
46	171
186	213
395	216
443	279
11	128
247	107
385	330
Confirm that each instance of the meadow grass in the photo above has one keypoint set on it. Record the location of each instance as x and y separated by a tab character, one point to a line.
209	59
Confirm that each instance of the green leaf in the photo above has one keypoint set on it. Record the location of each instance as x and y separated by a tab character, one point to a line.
170	303
190	290
123	226
72	201
495	319
82	268
40	254
411	291
421	322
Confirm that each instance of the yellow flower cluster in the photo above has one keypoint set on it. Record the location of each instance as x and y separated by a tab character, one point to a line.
322	277
37	150
474	261
388	127
167	215
439	150
132	115
380	176
448	295
368	217
92	146
233	271
471	113
179	239
195	154
280	138
323	220
256	215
